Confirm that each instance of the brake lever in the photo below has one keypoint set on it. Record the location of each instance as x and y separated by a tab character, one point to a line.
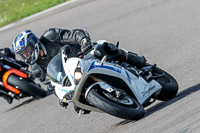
82	54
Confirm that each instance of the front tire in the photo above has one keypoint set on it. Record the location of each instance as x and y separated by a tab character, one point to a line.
26	86
168	83
128	111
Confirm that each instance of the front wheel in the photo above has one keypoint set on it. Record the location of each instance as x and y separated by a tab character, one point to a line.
125	108
168	83
26	86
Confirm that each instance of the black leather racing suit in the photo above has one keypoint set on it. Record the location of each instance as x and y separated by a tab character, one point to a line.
51	42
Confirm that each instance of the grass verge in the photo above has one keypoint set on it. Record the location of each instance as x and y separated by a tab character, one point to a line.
13	10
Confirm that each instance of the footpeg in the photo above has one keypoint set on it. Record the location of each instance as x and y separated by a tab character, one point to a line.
81	113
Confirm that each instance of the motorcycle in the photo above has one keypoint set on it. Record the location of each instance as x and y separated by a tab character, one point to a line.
118	89
15	82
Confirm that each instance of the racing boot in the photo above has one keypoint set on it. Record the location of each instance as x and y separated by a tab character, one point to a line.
131	58
135	60
113	53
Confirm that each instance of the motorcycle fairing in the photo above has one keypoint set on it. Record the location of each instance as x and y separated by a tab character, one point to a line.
140	88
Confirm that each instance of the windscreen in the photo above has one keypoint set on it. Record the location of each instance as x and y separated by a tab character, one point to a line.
55	69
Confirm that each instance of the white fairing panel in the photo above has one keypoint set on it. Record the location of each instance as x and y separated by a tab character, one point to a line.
69	66
60	90
141	89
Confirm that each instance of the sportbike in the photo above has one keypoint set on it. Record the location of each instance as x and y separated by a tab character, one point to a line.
118	89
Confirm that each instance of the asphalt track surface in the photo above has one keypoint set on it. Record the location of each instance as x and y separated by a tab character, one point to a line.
166	32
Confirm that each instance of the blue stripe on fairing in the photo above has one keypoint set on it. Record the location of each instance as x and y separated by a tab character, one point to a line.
71	75
102	66
64	90
128	77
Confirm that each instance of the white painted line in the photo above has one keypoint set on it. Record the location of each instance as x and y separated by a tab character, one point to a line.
7	26
37	14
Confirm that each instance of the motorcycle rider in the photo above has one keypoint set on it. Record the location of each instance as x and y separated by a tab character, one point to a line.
39	51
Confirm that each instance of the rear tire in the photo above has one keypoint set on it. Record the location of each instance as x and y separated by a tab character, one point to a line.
26	86
100	101
169	85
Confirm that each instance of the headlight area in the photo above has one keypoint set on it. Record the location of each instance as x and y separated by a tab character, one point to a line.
78	73
78	76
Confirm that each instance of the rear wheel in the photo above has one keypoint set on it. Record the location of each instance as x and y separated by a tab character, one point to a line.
124	107
26	86
168	83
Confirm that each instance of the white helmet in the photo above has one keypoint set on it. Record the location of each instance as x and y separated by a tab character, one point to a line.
26	44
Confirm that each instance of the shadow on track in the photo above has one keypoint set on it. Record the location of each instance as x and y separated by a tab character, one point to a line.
29	101
25	102
164	104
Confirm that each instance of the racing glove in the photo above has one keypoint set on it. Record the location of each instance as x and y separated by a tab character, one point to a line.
85	45
37	72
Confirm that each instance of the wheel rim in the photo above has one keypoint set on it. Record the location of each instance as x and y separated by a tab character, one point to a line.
125	100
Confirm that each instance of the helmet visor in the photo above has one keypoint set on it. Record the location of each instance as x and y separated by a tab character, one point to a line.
27	52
